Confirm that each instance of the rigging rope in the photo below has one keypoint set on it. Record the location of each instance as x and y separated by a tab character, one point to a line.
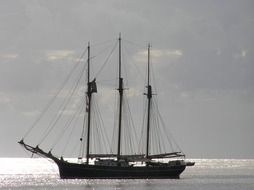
143	130
72	130
134	43
164	126
102	43
116	108
106	61
68	124
135	65
83	134
131	124
64	105
54	97
105	136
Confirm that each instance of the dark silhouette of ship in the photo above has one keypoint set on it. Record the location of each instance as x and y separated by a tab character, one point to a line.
117	166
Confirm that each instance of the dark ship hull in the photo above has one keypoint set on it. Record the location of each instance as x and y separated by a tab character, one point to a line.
68	170
72	170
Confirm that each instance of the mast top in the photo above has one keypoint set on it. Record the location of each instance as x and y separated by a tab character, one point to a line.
88	63
148	66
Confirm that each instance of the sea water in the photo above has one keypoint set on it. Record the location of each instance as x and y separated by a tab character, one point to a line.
207	174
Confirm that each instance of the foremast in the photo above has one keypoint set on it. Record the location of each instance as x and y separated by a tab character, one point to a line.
91	88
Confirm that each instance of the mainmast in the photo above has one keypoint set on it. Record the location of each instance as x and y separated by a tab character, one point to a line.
91	88
149	97
120	89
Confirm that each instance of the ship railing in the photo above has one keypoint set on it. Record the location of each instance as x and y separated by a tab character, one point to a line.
167	155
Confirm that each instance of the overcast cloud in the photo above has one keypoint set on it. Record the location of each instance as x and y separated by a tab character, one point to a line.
203	55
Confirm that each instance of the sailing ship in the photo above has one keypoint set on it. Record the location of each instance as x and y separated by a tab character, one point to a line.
117	165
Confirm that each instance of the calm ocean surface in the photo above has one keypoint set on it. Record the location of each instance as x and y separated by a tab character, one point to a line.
207	174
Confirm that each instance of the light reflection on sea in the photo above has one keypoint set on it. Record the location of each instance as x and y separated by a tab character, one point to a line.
26	173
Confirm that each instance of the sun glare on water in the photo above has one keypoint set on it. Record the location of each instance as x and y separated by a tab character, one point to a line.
27	166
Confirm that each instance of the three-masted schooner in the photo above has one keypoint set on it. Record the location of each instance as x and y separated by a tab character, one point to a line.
117	166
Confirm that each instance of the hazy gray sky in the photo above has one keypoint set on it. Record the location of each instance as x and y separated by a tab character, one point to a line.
205	61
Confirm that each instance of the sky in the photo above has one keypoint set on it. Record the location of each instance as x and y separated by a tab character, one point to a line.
202	55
